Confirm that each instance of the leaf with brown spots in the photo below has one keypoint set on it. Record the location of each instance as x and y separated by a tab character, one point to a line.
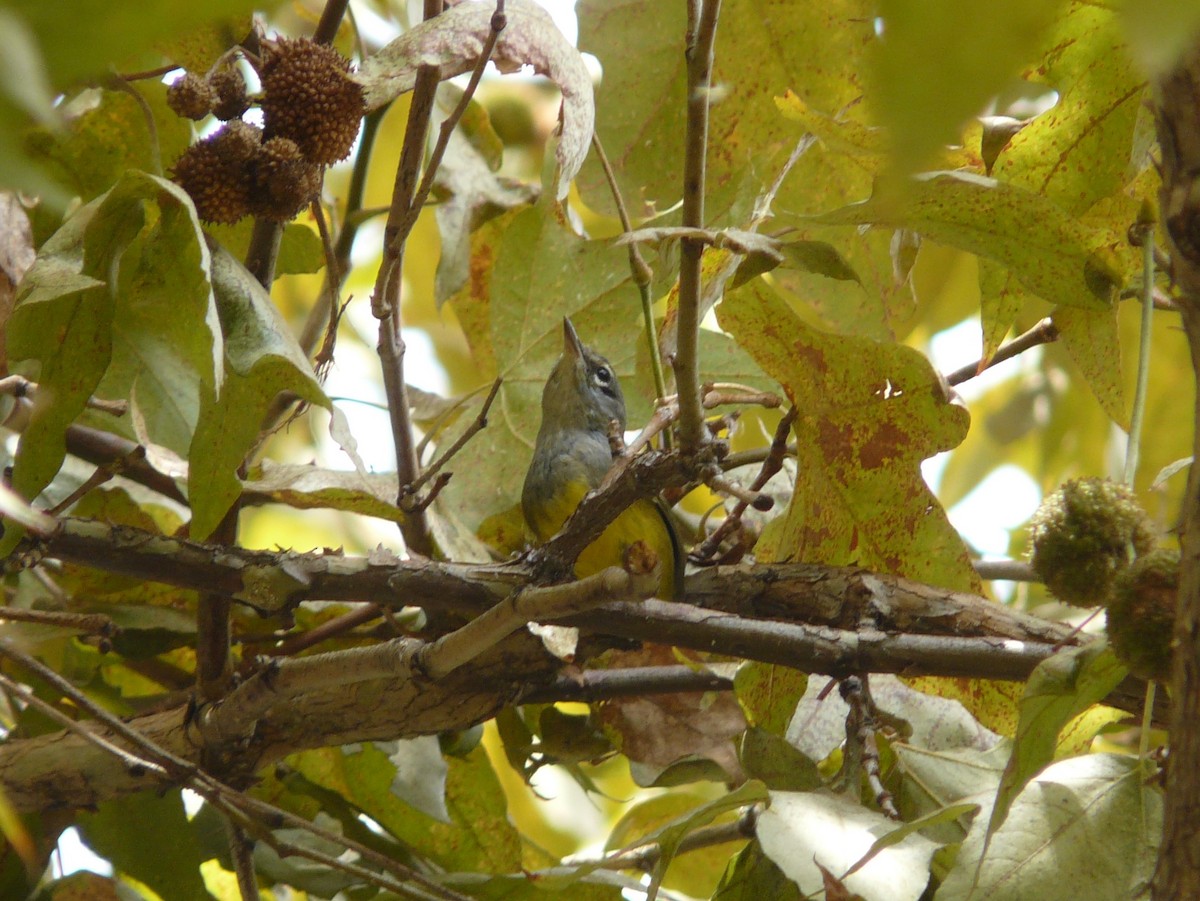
870	412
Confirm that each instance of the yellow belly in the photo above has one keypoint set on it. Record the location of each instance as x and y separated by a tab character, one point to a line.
643	521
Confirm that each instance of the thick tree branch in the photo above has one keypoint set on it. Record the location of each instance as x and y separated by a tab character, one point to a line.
1178	874
815	618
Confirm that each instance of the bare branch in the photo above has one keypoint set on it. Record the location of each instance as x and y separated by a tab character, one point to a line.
1044	332
699	53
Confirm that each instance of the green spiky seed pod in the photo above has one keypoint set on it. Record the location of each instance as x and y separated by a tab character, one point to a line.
1083	535
284	181
309	97
1141	614
191	97
229	88
216	172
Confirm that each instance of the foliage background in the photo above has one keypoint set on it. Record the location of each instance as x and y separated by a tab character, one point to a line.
875	268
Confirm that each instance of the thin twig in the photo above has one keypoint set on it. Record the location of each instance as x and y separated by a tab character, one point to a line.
407	202
646	856
1006	570
326	630
719	483
498	23
150	73
98	477
1043	333
699	53
241	850
756	455
771	465
161	759
1145	232
354	217
104	449
721	394
90	623
643	275
385	298
370	877
269	813
18	386
861	752
333	277
606	684
131	761
330	21
435	467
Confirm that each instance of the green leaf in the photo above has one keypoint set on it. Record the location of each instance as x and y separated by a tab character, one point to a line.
770	759
670	835
1060	688
110	136
769	694
869	413
118	304
1001	298
931	779
310	488
752	876
946	814
801	830
147	836
166	338
1082	149
1052	254
262	359
479	836
1092	340
420	779
1087	827
940	62
79	38
816	49
300	249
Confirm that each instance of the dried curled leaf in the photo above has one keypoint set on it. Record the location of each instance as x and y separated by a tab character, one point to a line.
454	41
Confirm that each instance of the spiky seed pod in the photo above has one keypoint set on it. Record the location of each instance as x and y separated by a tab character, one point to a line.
1083	535
230	90
1141	614
284	181
191	97
309	97
216	172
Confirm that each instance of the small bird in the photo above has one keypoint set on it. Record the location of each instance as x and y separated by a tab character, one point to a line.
581	400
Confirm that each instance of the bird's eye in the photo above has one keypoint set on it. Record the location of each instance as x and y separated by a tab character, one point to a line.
604	375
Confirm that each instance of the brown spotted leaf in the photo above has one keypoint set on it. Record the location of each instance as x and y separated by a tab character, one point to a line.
870	412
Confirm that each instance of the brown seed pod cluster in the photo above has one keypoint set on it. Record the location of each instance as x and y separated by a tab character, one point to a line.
235	173
191	97
310	98
284	181
230	90
216	172
312	109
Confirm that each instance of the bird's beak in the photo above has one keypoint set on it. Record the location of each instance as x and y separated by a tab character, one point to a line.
572	346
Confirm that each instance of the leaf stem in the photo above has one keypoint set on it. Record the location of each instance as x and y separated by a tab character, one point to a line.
702	30
1143	371
643	275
